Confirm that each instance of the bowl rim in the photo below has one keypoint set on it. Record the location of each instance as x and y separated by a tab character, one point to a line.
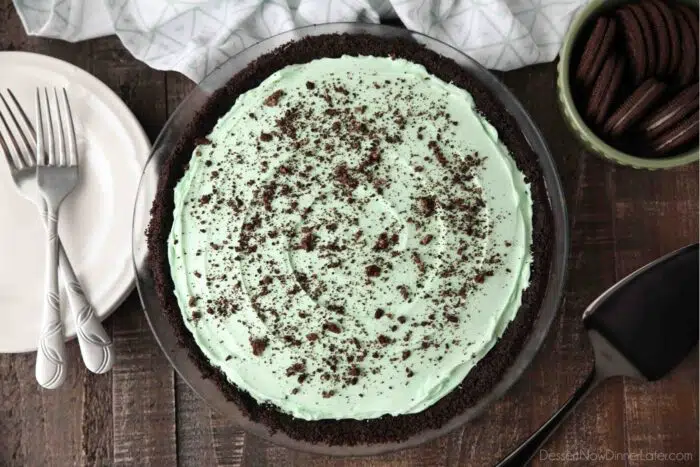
575	119
178	356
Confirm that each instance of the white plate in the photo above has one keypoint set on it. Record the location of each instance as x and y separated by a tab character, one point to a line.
94	220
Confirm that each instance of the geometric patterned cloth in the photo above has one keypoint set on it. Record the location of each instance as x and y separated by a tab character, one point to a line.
195	36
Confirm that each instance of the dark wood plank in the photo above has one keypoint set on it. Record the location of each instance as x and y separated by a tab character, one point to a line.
434	453
194	435
598	423
140	87
488	439
11	452
205	437
143	397
229	441
40	427
178	87
97	434
62	413
195	443
657	212
143	384
589	191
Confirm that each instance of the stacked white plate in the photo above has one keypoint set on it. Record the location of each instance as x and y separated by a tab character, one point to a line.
95	220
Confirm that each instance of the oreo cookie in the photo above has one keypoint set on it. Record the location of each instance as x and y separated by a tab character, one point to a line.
648	34
605	89
671	113
675	48
684	133
688	27
621	88
596	49
661	36
691	17
635	107
634	42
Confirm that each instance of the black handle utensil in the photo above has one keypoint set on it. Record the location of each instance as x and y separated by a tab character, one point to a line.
642	327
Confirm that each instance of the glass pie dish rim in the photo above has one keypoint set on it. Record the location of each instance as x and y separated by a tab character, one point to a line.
178	355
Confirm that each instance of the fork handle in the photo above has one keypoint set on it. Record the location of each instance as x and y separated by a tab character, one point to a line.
95	344
51	355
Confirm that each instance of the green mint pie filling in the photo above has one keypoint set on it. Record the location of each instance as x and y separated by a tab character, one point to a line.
350	239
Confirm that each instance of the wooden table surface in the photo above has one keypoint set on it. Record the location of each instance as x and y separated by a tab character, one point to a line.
142	413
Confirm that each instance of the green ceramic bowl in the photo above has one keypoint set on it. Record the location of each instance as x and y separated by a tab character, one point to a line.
571	113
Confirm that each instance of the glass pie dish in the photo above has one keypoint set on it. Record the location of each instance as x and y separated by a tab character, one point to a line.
165	145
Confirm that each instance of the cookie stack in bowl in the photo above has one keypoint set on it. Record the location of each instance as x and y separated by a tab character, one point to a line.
635	77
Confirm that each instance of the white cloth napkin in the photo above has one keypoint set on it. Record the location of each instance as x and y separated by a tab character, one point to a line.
195	36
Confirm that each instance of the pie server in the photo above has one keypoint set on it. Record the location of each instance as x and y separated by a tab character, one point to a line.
642	327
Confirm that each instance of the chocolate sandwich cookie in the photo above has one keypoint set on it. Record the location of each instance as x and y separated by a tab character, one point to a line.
635	107
687	25
599	44
672	113
661	36
634	41
649	40
691	16
678	136
675	48
605	88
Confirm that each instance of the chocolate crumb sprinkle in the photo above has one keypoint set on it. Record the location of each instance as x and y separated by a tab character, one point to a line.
419	262
274	98
258	346
307	242
295	368
384	340
332	327
382	242
426	205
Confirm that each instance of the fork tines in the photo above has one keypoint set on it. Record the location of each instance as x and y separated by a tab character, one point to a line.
16	132
55	132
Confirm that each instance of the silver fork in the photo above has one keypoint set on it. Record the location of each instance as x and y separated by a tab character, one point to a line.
19	149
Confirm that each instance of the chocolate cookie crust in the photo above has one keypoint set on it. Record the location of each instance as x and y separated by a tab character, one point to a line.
488	371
